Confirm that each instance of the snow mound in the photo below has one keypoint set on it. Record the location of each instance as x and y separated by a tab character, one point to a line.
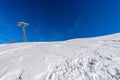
78	59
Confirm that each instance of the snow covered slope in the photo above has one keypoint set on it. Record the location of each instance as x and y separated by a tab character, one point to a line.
77	59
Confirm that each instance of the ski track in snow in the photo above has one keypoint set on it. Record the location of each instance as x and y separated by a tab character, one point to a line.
79	59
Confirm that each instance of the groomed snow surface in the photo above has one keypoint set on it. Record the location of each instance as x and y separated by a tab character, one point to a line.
78	59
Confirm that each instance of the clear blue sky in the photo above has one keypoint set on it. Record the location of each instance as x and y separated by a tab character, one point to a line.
55	20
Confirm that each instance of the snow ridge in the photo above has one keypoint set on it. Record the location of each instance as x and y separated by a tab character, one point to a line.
80	59
87	67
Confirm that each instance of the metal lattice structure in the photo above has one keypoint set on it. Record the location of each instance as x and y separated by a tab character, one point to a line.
23	25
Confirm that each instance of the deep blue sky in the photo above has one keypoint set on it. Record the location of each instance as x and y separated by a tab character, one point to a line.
54	20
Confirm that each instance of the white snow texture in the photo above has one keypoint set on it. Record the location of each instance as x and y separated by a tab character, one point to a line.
78	59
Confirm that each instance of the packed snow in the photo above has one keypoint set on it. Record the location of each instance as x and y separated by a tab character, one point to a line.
78	59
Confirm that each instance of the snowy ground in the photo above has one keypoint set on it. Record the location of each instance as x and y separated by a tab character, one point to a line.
77	59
